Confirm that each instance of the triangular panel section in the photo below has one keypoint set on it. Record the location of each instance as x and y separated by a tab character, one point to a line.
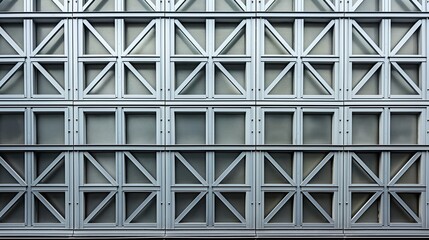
16	32
311	214
15	83
55	45
360	45
93	44
312	86
133	85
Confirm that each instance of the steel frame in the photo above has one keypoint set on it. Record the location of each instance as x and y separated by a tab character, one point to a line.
254	100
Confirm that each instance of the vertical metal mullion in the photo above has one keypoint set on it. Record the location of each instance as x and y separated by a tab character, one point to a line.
346	177
169	166
161	181
118	24
210	49
387	69
120	44
210	126
338	212
250	212
28	46
210	198
386	194
120	203
28	199
426	183
259	174
298	194
299	65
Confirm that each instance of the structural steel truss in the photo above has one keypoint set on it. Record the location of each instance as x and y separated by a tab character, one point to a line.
214	118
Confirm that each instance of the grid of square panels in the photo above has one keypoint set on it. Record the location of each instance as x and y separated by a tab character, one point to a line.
190	115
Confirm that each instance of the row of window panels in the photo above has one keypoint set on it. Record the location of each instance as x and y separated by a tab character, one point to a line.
214	189
215	81
375	76
215	37
212	5
214	125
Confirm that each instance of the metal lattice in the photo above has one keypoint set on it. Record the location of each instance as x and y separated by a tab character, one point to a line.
225	118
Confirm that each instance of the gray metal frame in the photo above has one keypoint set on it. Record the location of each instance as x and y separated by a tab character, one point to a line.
344	21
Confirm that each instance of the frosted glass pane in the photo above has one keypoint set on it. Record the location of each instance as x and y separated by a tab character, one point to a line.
183	45
282	6
272	173
42	214
16	32
15	83
12	5
278	128
16	212
316	6
42	161
325	46
404	128
324	175
370	160
42	85
197	85
368	6
55	45
100	128
133	5
285	214
144	159
183	174
365	129
145	45
17	162
92	44
11	128
105	85
106	214
46	6
50	128
403	5
133	201
141	128
412	46
230	128
192	6
397	212
190	128
413	201
373	214
223	214
399	86
107	161
236	175
197	213
228	5
311	214
412	174
224	85
100	5
373	85
283	87
272	44
317	128
237	45
132	83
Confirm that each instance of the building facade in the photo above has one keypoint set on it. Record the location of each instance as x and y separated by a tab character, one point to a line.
222	118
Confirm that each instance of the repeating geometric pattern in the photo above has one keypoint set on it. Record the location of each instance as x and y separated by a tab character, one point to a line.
203	118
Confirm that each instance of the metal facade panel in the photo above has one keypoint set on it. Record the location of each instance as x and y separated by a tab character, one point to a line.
214	118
